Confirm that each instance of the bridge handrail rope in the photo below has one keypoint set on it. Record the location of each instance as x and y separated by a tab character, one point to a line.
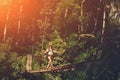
54	69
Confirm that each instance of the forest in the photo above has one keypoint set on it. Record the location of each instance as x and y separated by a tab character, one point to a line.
85	38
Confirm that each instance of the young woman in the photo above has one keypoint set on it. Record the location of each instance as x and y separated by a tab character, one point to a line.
49	52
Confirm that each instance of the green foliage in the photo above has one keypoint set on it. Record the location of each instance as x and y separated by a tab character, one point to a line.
5	47
96	60
72	40
2	56
52	76
19	64
67	17
59	46
75	75
11	63
85	55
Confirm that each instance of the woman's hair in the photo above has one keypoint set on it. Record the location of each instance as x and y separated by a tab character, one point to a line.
50	46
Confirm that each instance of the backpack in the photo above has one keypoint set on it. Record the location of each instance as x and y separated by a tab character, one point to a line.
50	52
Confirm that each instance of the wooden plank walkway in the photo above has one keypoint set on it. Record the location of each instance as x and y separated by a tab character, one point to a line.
55	69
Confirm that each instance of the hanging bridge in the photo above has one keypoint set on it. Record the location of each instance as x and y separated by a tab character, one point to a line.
55	69
68	67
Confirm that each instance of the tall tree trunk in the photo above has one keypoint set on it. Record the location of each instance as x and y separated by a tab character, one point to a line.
104	21
33	37
45	23
81	13
66	12
7	18
80	26
20	13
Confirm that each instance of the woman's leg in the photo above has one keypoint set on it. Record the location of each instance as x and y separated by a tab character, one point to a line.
49	62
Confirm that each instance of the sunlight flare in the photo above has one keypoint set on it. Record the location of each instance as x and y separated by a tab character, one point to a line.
4	2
